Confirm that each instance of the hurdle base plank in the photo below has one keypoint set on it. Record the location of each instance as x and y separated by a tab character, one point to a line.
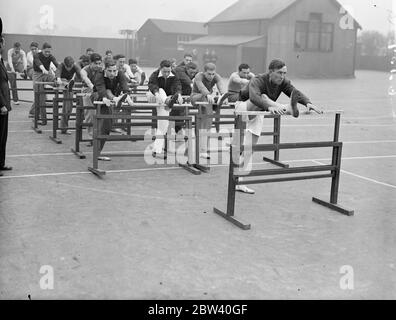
231	219
56	140
333	206
275	162
190	168
97	172
201	167
79	154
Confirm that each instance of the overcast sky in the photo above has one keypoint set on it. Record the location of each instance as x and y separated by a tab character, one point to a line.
104	18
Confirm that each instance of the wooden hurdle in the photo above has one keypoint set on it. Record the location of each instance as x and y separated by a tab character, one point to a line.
129	137
230	119
333	171
38	107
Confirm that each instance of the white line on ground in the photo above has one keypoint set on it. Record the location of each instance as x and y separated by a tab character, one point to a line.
360	176
72	186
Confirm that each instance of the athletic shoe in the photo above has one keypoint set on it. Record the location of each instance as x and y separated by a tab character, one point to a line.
16	102
121	100
295	95
204	155
244	189
104	158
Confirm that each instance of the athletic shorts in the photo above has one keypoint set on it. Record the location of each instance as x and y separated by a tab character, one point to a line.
255	125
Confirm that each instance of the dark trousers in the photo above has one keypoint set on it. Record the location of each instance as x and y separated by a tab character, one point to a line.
12	78
3	138
104	125
179	123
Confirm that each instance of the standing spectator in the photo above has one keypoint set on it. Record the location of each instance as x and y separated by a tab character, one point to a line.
5	107
42	73
17	64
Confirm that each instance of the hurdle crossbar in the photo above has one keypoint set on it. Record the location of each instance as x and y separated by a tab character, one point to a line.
334	169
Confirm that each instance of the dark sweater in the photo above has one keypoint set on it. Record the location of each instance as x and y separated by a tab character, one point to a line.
185	80
170	85
261	84
39	59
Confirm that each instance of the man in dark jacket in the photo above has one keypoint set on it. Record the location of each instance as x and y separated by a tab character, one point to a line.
186	74
5	107
164	89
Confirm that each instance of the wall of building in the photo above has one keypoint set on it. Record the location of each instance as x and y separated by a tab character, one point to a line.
234	28
226	57
340	62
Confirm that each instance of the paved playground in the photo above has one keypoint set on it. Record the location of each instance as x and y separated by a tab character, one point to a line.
149	231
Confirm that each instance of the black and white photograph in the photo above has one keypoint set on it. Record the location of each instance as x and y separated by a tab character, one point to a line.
217	152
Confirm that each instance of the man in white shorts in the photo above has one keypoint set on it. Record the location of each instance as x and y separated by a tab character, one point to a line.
260	95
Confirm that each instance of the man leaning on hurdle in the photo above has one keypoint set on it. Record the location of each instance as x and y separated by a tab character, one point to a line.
260	95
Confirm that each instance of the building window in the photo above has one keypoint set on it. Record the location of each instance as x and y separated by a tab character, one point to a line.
182	38
313	35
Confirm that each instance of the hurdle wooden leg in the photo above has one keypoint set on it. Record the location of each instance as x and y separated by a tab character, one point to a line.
36	111
276	141
232	182
55	119
95	154
335	180
78	137
189	166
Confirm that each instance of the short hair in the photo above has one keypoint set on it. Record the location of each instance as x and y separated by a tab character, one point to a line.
191	65
132	61
17	45
108	51
209	66
243	66
188	55
110	63
68	61
276	64
46	45
95	57
84	58
34	44
90	49
165	64
118	56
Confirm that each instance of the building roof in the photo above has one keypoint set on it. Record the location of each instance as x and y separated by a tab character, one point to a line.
253	10
223	40
258	10
180	27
